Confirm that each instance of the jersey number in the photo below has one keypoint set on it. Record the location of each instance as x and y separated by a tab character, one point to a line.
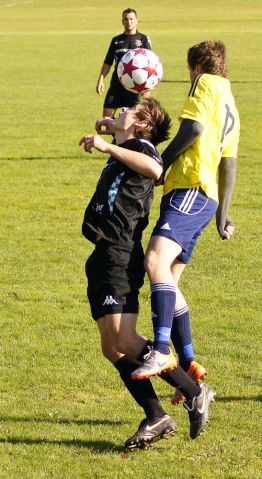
228	125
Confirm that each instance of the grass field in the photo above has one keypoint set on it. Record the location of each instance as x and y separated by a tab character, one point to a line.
64	413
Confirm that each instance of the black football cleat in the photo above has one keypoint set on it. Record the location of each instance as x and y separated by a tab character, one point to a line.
150	432
198	409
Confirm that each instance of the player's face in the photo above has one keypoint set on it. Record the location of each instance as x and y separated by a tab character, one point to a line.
126	119
130	21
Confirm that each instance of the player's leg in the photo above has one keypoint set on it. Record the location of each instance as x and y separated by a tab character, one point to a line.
184	213
157	424
110	112
120	330
142	391
110	104
161	251
182	338
160	254
114	304
181	331
118	97
197	397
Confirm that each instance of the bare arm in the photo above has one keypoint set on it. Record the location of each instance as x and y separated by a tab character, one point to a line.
139	162
226	181
100	82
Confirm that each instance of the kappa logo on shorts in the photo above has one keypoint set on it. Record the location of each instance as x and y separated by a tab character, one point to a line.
109	301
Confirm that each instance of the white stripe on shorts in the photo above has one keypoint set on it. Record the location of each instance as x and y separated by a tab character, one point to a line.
189	200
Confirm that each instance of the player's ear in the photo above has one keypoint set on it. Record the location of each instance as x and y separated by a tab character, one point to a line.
140	124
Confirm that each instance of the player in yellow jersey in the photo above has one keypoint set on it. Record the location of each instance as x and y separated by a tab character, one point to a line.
204	147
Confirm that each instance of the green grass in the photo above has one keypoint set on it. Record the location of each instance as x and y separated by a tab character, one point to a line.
64	412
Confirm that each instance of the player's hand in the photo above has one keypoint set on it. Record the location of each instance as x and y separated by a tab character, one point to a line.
103	126
100	87
160	180
93	141
227	231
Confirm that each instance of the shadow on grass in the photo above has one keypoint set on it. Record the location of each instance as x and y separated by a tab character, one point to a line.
238	398
227	398
53	420
96	446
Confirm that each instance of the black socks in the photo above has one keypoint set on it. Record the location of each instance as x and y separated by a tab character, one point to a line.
141	390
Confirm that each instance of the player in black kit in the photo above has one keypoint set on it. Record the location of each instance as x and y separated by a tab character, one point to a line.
117	96
114	221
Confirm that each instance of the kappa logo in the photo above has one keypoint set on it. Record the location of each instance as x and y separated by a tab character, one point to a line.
97	207
165	227
109	301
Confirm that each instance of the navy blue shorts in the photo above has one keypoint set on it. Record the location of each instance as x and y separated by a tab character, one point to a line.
184	213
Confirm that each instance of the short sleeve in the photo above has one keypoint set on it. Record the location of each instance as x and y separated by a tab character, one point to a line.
199	102
110	56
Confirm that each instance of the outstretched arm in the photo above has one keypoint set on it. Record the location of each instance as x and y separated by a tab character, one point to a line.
226	181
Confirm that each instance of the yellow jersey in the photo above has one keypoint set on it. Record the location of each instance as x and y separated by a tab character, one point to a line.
211	103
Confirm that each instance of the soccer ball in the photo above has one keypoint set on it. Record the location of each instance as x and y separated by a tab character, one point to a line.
140	70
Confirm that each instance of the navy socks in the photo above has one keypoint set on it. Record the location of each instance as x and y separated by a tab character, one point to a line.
181	337
163	300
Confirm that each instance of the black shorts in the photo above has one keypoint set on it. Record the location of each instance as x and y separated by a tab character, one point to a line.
118	97
115	274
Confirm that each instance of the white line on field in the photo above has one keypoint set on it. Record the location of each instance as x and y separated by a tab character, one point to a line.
65	32
111	32
14	4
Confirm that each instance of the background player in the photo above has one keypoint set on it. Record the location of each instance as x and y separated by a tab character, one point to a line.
117	96
206	142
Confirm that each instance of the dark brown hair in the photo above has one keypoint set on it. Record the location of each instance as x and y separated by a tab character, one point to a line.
158	122
211	55
129	10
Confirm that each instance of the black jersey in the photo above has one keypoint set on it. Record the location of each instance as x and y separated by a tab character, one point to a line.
120	206
120	45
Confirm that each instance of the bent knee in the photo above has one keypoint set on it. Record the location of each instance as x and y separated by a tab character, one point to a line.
151	262
117	345
108	351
